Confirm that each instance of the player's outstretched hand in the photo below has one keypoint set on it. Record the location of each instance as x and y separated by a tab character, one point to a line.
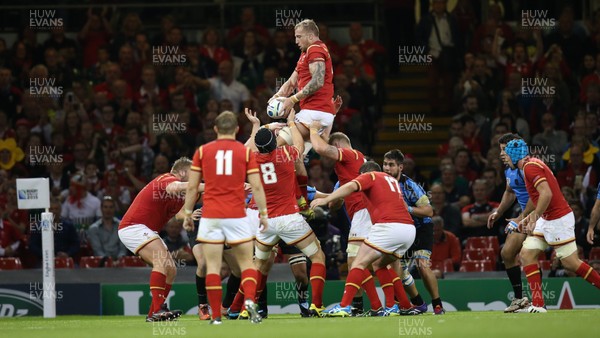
492	219
337	103
287	105
318	202
273	98
292	115
251	115
590	236
264	224
197	214
188	223
512	226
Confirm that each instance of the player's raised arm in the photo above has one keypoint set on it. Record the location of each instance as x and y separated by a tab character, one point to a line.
342	192
297	139
319	145
255	127
287	88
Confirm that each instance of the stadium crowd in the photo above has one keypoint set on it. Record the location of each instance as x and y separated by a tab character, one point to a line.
125	118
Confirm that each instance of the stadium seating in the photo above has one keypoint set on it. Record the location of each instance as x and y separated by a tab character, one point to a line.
444	266
476	266
131	262
480	255
484	242
10	263
594	254
64	263
94	262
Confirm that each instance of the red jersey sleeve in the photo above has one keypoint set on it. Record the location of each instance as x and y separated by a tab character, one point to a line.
345	155
534	173
365	181
316	53
251	165
197	160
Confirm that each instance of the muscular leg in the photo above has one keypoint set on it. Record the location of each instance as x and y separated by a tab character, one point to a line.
510	250
572	263
162	274
529	255
310	247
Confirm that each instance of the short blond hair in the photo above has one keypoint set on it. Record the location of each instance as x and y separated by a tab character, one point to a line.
226	122
182	163
309	26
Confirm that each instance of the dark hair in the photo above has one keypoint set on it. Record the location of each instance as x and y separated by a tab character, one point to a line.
396	155
265	140
504	139
369	166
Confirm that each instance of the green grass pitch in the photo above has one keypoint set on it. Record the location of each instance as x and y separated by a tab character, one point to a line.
563	323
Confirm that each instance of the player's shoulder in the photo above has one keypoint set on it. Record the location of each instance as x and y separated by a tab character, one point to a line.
533	164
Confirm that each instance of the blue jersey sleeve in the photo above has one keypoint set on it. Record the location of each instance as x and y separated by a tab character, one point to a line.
311	191
598	196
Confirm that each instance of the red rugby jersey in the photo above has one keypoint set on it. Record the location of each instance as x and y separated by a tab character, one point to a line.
320	100
536	171
385	196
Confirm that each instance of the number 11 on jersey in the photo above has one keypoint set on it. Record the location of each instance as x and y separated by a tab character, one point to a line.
224	162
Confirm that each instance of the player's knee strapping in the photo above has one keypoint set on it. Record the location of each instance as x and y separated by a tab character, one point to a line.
352	250
297	260
407	278
262	255
310	249
566	250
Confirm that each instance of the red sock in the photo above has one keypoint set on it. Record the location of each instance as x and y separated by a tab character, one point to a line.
368	284
167	290
385	280
303	182
589	274
534	278
399	290
158	283
214	293
248	283
260	286
353	282
317	283
238	301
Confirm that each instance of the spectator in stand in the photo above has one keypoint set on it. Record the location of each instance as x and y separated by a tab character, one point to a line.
211	46
472	138
577	174
149	92
10	98
456	130
59	180
269	85
66	240
96	72
581	227
108	128
161	165
112	186
142	51
360	91
363	70
335	51
189	85
131	70
511	110
369	49
455	187
592	131
11	239
445	244
79	206
112	73
200	65
554	140
448	212
130	27
176	243
487	29
593	78
132	180
21	62
565	35
95	33
588	67
166	23
103	234
475	215
438	32
496	185
18	218
235	36
224	86
519	61
80	157
461	163
282	55
250	57
59	42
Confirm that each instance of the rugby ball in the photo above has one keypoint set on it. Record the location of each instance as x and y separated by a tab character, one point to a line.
274	108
